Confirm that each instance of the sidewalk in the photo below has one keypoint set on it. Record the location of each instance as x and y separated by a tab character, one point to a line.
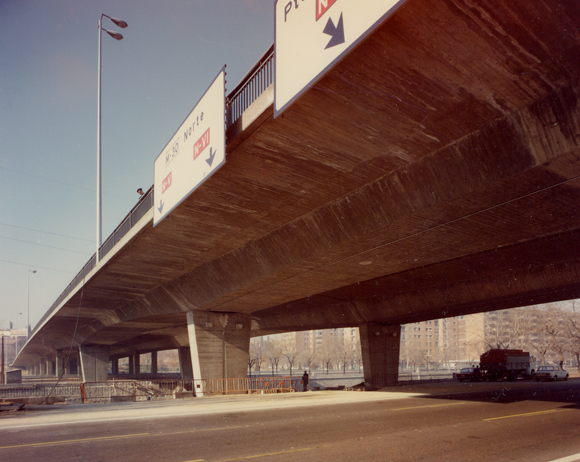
45	415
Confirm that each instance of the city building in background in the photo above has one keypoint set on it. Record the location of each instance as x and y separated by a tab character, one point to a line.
14	340
551	333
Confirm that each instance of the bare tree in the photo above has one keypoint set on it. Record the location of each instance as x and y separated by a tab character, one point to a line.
539	336
573	331
274	353
256	356
356	357
308	357
343	355
506	329
555	328
327	353
290	353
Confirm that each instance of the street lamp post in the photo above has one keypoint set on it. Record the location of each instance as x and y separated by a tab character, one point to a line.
17	315
122	24
28	302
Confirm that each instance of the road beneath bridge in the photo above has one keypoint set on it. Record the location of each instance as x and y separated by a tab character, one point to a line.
451	422
432	172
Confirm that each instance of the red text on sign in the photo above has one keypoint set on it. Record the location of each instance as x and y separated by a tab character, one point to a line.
322	6
166	183
201	144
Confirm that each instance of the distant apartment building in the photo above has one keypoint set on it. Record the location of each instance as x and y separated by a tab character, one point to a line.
14	340
457	341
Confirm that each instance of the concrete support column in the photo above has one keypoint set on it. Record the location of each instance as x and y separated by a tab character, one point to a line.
59	369
219	346
137	363
94	362
380	346
67	364
115	365
185	365
131	365
154	362
49	366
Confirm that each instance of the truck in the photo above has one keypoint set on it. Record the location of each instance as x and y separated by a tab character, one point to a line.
497	364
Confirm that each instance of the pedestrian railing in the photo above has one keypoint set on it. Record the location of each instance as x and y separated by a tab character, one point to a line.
256	81
250	385
113	390
423	376
8	392
50	380
138	390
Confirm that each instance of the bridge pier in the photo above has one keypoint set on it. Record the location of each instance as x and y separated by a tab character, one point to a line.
59	367
94	362
380	346
115	365
49	366
185	365
219	345
131	364
67	364
154	362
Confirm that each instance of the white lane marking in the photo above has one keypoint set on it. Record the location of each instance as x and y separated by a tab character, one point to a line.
572	458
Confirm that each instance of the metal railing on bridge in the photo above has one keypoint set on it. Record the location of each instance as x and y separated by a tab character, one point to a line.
256	81
260	77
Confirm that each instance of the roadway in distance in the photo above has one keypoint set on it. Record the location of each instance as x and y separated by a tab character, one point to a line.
449	422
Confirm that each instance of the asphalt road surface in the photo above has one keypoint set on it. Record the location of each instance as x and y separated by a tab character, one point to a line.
440	422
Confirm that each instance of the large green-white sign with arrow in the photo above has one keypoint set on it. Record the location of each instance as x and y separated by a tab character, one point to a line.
313	35
194	152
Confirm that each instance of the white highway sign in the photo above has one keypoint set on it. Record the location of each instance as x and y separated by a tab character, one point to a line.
194	153
311	36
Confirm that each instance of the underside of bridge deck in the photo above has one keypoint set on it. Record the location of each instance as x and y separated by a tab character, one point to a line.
433	172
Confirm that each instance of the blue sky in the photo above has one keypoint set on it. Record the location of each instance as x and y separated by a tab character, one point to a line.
171	52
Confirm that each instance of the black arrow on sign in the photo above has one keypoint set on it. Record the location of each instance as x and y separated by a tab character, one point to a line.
160	206
211	156
336	32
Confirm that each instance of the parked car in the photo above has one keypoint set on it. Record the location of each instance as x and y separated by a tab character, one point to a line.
550	373
469	373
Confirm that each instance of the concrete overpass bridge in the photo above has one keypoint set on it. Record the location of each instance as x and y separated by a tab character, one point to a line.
433	172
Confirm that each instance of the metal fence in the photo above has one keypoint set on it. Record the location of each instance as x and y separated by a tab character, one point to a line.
114	390
251	385
50	380
8	392
421	376
137	390
260	77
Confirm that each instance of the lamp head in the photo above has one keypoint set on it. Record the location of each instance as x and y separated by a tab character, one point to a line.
119	22
114	34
